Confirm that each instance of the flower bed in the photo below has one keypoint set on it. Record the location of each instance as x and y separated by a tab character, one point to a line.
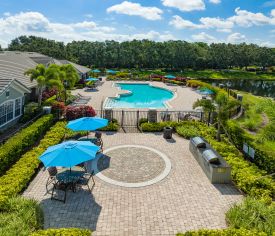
16	145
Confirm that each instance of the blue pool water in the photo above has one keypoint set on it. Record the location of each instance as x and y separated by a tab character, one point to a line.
141	96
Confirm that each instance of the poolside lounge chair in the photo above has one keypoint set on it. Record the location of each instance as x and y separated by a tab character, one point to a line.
52	177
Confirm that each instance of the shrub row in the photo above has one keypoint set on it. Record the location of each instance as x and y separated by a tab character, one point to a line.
223	232
72	112
156	127
63	232
16	145
18	176
263	159
112	126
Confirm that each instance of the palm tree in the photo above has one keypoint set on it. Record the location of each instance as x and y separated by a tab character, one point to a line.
53	77
69	75
224	106
38	74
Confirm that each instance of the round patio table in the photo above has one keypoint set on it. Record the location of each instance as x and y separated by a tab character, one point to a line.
70	177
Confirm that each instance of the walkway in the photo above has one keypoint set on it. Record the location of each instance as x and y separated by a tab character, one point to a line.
183	200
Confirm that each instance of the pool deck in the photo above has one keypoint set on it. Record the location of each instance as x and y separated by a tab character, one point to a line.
183	200
183	99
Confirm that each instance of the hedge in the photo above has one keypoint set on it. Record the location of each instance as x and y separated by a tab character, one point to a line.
157	127
11	151
263	159
18	176
223	232
112	126
63	232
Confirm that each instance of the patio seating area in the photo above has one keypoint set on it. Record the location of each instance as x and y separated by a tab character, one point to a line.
182	199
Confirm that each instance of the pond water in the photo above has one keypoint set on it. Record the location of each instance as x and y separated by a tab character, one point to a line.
264	88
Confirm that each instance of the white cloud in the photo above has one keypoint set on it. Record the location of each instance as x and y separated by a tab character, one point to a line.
215	1
205	23
35	23
242	18
247	19
236	38
88	15
135	9
181	23
185	5
204	37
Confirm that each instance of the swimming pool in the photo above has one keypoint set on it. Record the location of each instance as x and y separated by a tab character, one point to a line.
140	96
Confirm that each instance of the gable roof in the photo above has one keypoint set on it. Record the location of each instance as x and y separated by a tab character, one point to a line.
6	83
13	65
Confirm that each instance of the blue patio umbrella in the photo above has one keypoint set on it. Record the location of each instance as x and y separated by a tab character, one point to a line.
206	91
87	124
92	79
96	71
170	76
69	154
111	71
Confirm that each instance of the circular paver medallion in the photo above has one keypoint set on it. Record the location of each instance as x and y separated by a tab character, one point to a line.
132	166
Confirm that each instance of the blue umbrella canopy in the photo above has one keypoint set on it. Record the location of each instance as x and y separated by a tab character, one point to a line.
111	71
206	91
170	76
92	79
96	71
69	154
87	124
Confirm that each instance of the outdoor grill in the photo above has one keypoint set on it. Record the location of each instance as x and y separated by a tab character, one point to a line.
210	156
199	143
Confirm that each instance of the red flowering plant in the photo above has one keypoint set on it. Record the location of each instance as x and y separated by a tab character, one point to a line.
58	107
72	113
48	93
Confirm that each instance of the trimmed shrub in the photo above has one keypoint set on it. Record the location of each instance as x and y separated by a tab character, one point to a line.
18	176
112	126
20	142
63	232
252	214
223	232
22	217
188	131
158	127
72	113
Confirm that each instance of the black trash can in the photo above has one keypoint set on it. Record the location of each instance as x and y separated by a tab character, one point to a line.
167	132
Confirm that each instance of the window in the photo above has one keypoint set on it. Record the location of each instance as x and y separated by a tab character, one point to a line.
6	112
7	93
17	107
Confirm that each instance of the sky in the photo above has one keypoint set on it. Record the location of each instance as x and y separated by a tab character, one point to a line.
229	21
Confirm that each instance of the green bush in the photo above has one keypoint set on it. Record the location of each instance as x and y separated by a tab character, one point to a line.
49	101
22	217
18	176
252	214
223	232
20	142
112	126
63	232
142	120
30	111
188	131
158	127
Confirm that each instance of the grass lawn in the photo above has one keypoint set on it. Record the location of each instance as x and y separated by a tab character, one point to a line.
259	119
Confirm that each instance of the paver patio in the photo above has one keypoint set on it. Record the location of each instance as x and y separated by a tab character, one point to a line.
184	200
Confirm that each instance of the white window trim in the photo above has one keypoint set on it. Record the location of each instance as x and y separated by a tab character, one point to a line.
14	117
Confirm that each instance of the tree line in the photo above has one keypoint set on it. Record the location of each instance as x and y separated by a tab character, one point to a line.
150	54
